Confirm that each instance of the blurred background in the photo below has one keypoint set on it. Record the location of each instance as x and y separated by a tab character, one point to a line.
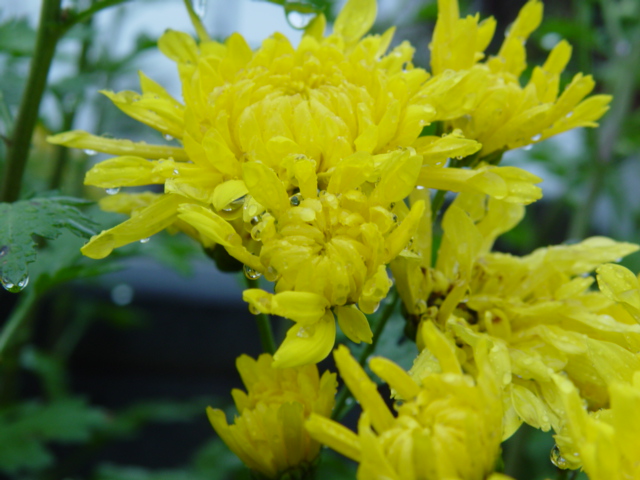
112	372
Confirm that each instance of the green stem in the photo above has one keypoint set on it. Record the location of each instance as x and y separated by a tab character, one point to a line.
61	155
264	325
341	408
69	114
18	151
76	18
197	23
436	204
5	115
18	318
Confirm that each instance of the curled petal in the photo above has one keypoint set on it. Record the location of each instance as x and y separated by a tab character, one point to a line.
307	344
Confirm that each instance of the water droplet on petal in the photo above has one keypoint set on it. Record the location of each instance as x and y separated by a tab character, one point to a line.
537	137
250	273
527	147
271	274
112	191
145	240
234	205
199	7
557	459
254	220
167	137
90	152
569	115
303	333
9	286
176	171
299	20
295	200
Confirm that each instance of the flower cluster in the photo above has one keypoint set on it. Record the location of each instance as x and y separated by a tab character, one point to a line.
311	166
538	309
297	160
447	426
269	436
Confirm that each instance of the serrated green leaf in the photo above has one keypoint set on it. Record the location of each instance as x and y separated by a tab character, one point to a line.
158	411
66	421
47	217
61	261
24	430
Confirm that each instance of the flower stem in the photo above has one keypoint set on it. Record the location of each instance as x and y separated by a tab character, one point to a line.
197	23
18	148
17	319
84	15
341	407
68	116
264	325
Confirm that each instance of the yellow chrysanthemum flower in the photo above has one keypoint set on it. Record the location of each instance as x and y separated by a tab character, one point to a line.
605	443
269	434
447	426
538	309
294	110
297	161
507	114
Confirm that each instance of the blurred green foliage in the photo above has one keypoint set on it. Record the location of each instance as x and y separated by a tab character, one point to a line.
56	433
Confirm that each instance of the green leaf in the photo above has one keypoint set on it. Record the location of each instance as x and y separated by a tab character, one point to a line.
24	430
17	37
215	461
139	414
115	472
61	261
46	217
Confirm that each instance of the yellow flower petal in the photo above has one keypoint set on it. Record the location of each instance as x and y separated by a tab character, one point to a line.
397	178
304	308
620	285
179	47
316	27
265	186
441	347
210	224
399	237
158	113
227	192
355	19
397	378
363	389
86	141
147	222
334	435
353	323
124	171
307	344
